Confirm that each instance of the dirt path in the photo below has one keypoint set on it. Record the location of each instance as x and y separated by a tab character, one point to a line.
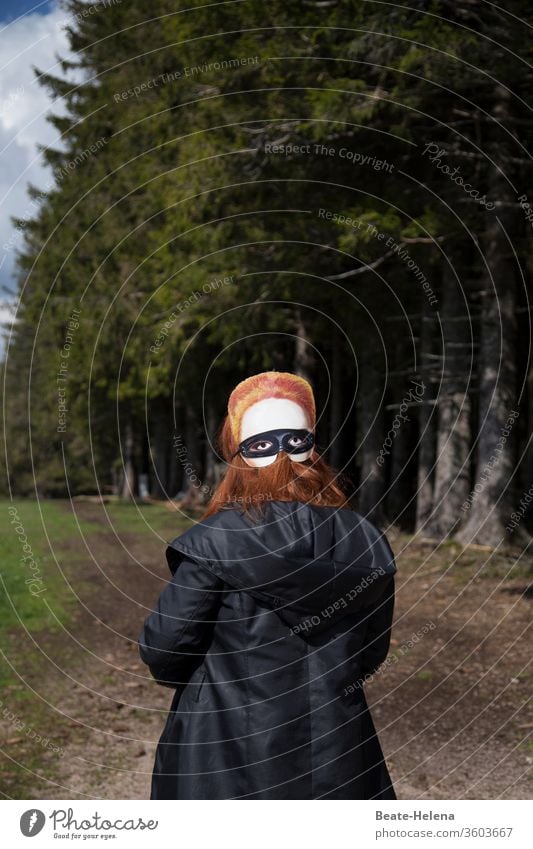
451	708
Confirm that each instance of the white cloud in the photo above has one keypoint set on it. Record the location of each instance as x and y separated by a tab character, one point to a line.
7	313
32	40
7	318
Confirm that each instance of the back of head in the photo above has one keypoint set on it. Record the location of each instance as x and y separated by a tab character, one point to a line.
267	441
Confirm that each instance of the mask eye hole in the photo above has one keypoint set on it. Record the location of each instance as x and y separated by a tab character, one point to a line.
260	446
295	441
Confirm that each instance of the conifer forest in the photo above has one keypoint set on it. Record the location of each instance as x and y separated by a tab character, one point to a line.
338	189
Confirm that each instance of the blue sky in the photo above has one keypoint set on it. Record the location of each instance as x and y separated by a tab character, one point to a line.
30	34
10	9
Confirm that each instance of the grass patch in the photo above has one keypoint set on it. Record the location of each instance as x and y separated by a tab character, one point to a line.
140	517
425	675
460	563
35	601
34	592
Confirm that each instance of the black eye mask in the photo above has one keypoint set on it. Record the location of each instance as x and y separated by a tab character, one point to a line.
271	442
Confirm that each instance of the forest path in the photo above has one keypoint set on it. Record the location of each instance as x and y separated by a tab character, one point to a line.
449	708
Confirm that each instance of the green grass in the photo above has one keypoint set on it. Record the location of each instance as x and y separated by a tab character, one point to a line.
22	612
464	564
19	606
425	675
128	517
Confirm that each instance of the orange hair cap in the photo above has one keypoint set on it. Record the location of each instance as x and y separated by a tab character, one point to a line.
269	384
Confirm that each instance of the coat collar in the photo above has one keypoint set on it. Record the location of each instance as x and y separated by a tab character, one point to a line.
297	559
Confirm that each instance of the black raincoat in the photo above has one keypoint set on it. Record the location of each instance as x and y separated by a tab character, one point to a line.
266	631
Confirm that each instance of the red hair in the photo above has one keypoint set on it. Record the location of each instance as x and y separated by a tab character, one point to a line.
311	482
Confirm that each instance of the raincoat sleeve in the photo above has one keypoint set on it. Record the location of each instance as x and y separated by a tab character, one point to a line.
177	634
377	639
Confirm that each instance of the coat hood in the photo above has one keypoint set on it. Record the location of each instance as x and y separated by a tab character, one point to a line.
311	565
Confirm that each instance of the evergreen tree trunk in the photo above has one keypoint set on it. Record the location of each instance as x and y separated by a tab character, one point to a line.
128	453
426	419
370	438
398	492
175	471
335	409
210	476
190	461
492	503
159	450
397	495
304	355
452	466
